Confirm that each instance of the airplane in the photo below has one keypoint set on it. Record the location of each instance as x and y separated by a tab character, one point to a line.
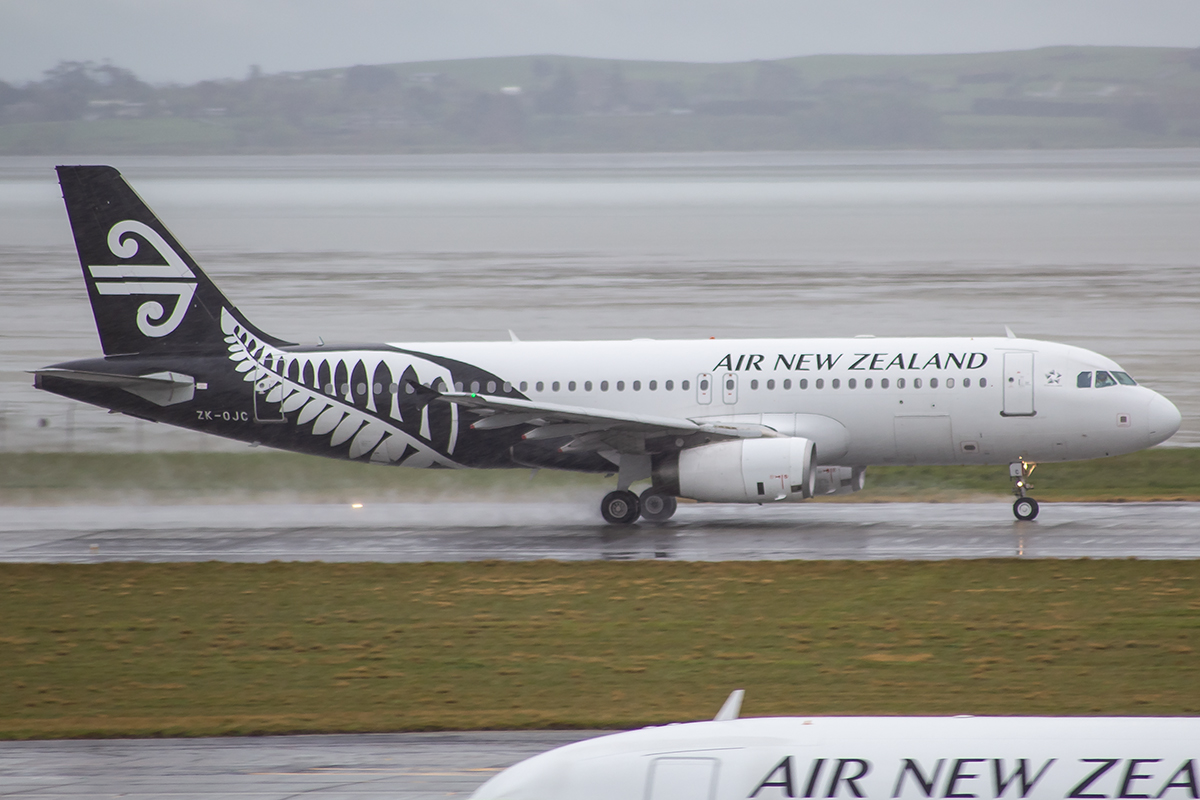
726	421
897	758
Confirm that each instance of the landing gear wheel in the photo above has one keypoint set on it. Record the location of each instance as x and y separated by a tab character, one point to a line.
1025	509
620	507
656	506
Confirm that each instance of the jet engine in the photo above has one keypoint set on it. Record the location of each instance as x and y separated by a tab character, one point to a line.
764	470
838	480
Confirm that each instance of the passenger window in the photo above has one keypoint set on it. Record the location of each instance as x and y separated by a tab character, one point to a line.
868	383
1104	379
652	386
683	385
475	386
492	387
753	384
669	385
524	386
1124	379
983	383
587	386
458	386
771	384
803	383
571	386
933	383
604	386
787	383
554	386
949	383
637	386
837	383
966	383
820	383
620	386
541	387
851	384
883	383
1084	380
899	383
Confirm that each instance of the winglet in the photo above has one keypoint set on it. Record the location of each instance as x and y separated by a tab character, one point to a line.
1008	332
732	707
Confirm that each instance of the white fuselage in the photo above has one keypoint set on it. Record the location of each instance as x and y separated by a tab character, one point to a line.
877	758
899	400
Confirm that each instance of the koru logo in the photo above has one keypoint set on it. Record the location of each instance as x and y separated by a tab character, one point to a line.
173	278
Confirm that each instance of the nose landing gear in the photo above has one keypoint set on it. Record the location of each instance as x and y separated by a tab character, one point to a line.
1024	508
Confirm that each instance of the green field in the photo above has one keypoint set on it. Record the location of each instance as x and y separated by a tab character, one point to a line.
41	478
205	649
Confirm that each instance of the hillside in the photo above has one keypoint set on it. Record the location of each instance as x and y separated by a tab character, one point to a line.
1051	97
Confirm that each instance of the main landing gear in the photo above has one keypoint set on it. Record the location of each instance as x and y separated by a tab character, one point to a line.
1024	508
623	507
620	507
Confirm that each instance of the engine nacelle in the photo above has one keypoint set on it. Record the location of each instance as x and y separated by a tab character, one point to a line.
838	480
748	471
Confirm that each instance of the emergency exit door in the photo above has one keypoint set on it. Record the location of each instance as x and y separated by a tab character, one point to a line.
1018	385
729	388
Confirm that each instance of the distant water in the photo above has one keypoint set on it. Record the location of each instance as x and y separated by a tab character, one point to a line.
1095	248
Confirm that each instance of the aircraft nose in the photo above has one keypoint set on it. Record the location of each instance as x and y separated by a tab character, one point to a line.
1163	418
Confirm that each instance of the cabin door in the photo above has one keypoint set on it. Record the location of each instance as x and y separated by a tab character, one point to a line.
1018	385
682	779
265	411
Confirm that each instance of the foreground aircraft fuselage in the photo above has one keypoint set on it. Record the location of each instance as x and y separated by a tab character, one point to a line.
758	420
876	758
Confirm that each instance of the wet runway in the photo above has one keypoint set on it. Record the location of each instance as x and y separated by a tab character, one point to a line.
411	766
409	532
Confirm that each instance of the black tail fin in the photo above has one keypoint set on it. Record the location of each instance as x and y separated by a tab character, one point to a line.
148	295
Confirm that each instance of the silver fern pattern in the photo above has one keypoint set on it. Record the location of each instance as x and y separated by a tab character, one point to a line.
352	397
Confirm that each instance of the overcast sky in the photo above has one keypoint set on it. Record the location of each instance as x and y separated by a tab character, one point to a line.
190	40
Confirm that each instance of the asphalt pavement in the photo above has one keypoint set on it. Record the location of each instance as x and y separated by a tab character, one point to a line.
409	532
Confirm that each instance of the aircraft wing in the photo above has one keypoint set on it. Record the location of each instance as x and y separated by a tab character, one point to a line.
590	428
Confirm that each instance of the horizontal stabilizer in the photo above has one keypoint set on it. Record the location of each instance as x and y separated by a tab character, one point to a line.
160	388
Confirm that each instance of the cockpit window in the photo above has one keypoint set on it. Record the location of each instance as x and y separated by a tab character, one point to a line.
1084	381
1124	379
1104	379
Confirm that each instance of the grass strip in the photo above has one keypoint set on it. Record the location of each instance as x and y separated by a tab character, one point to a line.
207	649
37	478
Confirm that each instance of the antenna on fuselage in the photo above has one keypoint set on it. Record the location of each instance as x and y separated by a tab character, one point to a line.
732	707
1008	332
